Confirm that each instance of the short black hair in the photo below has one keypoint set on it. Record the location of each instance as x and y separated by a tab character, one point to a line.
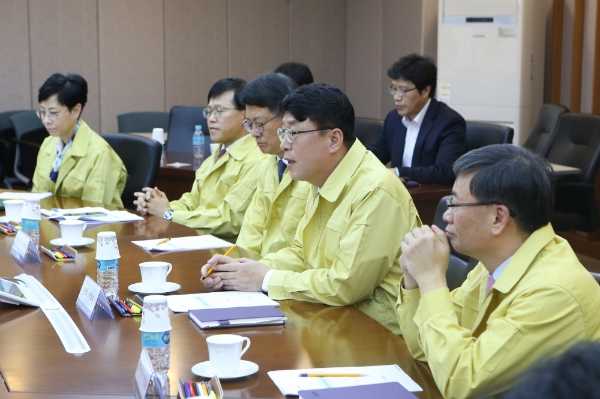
418	69
574	374
513	176
267	91
297	71
71	89
325	105
223	85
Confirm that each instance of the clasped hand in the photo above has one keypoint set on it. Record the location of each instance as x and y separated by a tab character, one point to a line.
233	274
151	201
424	259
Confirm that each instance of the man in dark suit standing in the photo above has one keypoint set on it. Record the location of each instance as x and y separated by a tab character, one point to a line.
422	137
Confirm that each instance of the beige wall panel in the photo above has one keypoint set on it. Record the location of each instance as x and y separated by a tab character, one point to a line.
587	86
318	38
258	36
64	38
15	83
363	57
402	35
131	58
430	28
195	49
567	54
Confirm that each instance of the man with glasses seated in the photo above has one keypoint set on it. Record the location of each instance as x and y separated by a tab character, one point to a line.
422	137
346	246
226	181
528	297
278	205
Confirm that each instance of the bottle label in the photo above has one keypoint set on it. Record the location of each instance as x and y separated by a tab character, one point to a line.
30	224
111	265
156	339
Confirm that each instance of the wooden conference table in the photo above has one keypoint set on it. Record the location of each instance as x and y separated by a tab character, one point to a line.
177	180
34	363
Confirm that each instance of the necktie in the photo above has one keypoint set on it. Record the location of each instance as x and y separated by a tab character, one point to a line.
221	153
490	282
281	168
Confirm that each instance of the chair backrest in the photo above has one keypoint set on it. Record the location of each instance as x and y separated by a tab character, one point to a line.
181	129
459	265
30	133
544	132
8	147
141	157
596	277
133	122
577	144
368	130
480	134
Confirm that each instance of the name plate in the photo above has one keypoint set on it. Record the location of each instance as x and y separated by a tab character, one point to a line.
90	296
144	374
24	249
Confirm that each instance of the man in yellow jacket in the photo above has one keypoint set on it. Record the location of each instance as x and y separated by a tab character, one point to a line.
74	161
226	181
347	243
529	296
279	202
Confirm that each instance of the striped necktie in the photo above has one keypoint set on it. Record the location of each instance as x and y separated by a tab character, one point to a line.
281	168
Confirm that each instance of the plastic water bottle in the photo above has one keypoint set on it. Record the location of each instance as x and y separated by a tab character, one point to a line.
158	346
198	142
108	276
32	228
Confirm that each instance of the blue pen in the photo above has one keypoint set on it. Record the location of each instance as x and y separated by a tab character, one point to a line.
187	390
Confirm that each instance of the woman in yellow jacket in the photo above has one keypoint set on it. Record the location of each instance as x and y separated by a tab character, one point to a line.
74	161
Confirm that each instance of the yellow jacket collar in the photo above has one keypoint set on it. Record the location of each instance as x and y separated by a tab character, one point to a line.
336	182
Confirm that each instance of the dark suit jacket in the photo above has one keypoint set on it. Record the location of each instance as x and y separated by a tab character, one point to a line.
441	140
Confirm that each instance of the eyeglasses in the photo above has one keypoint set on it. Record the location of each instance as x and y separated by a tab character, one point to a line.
289	134
393	91
51	115
450	205
208	111
257	127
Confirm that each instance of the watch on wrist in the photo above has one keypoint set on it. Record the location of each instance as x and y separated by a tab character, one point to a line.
168	215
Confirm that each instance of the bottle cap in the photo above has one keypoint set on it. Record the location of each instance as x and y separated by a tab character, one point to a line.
198	127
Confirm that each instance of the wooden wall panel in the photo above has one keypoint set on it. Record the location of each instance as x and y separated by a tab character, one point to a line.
318	38
258	36
132	59
402	25
577	56
15	80
64	38
195	49
363	57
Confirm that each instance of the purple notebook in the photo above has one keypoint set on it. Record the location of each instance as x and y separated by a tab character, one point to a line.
391	390
236	317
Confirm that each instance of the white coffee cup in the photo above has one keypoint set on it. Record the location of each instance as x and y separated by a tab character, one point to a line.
155	314
106	246
158	134
72	230
214	147
13	210
225	352
154	274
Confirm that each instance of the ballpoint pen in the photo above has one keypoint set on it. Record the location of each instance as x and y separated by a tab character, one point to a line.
225	254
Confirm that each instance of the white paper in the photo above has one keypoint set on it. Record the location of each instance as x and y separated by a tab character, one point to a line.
218	300
289	382
108	217
8	195
183	243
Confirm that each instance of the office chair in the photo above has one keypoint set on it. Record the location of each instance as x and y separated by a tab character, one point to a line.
134	122
367	130
459	265
480	134
181	128
596	276
577	144
30	133
8	145
141	157
544	132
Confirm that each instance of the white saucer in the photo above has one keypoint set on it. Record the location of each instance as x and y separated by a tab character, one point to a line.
79	243
246	368
168	287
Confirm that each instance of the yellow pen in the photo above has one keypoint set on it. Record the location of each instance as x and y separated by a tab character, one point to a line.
225	254
162	241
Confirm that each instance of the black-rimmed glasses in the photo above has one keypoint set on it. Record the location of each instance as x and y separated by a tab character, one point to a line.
394	90
257	127
289	134
451	205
